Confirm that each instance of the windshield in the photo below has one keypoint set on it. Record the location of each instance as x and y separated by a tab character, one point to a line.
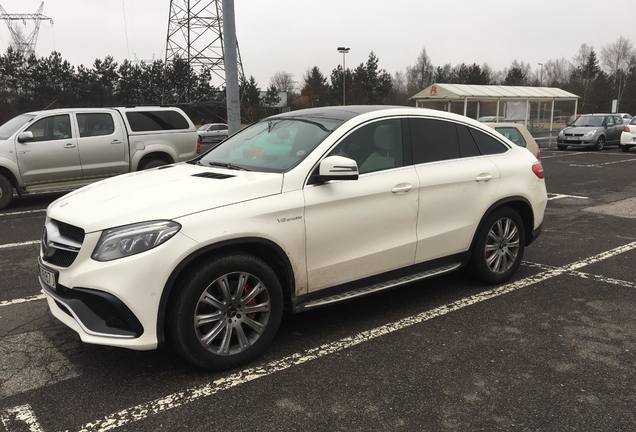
12	126
633	122
272	145
589	121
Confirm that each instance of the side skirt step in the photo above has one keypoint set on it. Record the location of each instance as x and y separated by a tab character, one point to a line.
380	286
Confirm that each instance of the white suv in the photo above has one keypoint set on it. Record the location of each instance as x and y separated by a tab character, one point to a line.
297	211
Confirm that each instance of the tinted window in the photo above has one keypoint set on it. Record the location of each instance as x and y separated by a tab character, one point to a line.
375	147
95	124
487	145
144	121
513	134
467	146
51	128
433	140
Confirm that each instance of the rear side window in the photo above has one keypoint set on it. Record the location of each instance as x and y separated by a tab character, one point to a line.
513	135
433	140
467	146
145	121
95	124
487	145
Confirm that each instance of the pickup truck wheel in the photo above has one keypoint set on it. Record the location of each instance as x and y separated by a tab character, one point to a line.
498	247
6	192
152	163
226	313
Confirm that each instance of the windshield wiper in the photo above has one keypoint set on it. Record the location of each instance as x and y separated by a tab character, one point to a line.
227	165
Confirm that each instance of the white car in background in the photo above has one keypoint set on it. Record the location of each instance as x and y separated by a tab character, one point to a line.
298	211
628	137
518	134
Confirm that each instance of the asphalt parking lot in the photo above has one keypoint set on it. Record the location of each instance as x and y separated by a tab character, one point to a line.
555	349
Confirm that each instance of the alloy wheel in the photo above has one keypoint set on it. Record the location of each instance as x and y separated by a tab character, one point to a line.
232	313
502	245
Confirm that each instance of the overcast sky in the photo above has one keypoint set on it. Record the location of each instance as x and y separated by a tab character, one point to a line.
295	35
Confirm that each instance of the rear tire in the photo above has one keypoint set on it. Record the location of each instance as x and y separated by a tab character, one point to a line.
152	163
210	307
6	192
498	246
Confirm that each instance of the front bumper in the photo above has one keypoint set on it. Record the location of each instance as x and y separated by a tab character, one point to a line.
128	293
583	143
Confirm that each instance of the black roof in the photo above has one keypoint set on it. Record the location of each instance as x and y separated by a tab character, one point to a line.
343	113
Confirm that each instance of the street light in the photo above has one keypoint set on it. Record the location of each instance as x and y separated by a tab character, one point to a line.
344	51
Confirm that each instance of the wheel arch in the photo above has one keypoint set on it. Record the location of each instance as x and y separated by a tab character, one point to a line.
10	175
518	203
271	253
155	154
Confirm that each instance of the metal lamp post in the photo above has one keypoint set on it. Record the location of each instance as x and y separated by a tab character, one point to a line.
344	51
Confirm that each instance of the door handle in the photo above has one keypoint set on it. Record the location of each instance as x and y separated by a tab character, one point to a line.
483	177
402	188
115	141
69	145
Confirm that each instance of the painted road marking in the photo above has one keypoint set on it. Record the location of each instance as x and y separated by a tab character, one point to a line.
17	213
583	275
171	401
562	154
556	196
18	416
602	164
22	300
15	245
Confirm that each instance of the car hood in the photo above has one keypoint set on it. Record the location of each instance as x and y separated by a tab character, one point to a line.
580	129
160	193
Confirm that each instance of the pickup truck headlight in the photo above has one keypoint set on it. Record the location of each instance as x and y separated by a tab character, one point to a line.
132	239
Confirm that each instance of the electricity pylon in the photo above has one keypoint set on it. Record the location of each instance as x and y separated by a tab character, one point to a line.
23	40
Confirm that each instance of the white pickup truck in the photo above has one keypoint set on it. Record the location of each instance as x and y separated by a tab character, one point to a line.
63	149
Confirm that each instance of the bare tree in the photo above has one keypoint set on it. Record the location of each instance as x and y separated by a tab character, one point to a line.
557	72
283	81
420	75
616	59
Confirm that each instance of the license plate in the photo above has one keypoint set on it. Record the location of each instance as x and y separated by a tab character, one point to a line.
47	277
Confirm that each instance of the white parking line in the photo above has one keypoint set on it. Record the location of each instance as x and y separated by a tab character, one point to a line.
15	245
583	275
22	212
22	300
556	196
602	164
21	414
562	155
184	397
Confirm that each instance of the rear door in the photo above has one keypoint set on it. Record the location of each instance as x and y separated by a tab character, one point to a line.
52	155
102	144
458	183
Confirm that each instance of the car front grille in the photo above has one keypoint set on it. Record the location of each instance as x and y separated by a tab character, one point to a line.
61	243
573	135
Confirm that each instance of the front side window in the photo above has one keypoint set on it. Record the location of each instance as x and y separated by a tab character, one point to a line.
147	121
375	147
51	128
609	121
513	134
95	124
271	145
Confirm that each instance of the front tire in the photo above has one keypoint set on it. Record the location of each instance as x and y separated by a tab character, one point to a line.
498	246
226	313
6	192
600	143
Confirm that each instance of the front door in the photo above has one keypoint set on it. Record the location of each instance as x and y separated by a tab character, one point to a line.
103	148
52	155
359	228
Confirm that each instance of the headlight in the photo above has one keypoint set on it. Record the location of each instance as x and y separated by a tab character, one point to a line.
562	132
590	133
133	239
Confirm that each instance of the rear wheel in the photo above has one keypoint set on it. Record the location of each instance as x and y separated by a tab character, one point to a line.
227	312
6	192
498	247
151	163
600	143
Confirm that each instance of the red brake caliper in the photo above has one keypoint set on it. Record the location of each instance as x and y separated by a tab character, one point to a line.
248	289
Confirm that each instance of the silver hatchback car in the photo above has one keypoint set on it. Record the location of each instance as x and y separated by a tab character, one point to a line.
592	131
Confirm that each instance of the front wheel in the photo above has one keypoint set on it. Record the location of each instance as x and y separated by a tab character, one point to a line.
226	313
498	247
6	192
600	143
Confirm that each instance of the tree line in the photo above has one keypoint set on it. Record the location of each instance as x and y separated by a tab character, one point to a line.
34	83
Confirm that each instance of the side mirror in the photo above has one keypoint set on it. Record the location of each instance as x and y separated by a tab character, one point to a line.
25	137
337	168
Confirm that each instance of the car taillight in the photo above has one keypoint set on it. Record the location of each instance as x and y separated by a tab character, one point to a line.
626	129
537	169
198	149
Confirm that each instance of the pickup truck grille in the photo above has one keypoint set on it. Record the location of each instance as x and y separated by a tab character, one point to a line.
61	243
